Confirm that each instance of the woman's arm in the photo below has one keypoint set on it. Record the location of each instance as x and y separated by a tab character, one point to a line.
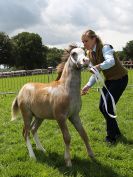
90	83
108	63
109	58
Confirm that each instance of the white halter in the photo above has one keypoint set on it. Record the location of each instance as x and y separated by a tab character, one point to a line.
100	80
76	62
73	60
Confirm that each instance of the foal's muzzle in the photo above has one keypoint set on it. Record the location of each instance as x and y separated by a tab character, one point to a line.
79	66
85	61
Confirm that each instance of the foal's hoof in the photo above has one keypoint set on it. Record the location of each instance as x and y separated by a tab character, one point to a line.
33	157
41	149
91	154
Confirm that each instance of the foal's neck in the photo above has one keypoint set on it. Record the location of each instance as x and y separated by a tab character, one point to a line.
71	77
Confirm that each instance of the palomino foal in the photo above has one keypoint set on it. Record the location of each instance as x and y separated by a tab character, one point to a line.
57	100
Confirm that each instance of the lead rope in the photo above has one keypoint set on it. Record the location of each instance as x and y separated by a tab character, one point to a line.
99	81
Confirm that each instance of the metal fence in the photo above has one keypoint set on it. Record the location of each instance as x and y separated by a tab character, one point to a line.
11	82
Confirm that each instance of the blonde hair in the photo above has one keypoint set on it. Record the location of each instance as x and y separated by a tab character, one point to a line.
91	34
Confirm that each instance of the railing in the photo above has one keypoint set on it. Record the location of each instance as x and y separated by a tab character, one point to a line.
11	82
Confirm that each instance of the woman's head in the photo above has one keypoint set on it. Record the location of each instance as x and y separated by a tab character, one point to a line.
89	39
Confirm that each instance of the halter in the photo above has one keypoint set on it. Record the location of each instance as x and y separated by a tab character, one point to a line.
100	80
76	62
73	60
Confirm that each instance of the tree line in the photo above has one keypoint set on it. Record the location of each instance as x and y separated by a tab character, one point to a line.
26	51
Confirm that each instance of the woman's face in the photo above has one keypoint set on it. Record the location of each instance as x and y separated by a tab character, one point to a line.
88	42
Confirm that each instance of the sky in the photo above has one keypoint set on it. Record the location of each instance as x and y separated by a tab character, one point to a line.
61	22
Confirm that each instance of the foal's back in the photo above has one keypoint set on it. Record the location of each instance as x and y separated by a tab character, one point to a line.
44	100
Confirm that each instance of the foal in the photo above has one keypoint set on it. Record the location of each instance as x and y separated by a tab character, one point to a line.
57	100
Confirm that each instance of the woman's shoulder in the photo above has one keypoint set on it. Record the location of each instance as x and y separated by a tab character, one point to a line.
107	48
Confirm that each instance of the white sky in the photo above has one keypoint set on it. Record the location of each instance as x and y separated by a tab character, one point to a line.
61	22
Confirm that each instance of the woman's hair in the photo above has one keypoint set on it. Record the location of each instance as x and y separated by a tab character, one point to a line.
91	34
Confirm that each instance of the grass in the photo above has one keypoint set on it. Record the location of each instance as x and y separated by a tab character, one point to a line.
110	161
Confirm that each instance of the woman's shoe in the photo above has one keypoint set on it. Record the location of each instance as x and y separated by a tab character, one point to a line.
110	140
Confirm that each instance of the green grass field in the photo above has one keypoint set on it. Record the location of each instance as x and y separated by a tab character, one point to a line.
110	161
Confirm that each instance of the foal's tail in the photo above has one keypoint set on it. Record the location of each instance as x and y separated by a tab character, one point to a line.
14	109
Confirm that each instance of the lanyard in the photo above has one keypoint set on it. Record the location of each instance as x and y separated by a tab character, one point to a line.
100	80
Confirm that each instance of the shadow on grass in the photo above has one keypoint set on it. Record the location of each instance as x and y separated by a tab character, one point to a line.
124	140
81	167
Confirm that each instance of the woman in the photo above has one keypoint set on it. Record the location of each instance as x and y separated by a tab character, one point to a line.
116	78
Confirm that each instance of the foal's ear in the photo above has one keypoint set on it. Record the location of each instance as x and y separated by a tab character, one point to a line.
74	55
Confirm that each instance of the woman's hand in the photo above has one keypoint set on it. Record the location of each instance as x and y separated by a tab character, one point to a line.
97	67
85	90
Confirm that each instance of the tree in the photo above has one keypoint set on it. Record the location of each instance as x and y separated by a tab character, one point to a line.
5	50
128	50
44	54
28	50
54	56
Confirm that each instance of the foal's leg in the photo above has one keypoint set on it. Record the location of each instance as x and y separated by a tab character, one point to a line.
75	120
27	117
67	139
34	127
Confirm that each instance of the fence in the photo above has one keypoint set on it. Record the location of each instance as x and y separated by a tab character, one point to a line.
11	82
128	64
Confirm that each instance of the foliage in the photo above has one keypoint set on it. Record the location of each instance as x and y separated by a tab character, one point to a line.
5	49
29	49
26	51
44	55
54	56
128	50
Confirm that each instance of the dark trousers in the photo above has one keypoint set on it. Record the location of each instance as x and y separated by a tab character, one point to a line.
116	88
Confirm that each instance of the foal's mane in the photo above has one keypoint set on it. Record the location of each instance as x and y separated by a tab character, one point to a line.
64	59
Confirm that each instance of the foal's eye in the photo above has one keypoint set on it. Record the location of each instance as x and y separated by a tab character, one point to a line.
74	55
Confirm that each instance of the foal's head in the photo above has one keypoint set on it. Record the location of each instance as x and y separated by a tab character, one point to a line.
77	57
